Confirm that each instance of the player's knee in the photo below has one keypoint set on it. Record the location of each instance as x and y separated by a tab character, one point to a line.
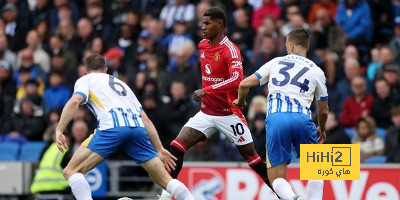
67	172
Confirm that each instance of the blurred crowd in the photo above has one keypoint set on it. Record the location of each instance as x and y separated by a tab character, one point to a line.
151	45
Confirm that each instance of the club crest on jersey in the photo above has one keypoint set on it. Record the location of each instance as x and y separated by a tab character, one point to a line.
217	57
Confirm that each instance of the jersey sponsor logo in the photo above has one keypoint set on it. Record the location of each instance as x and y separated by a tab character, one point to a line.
217	57
237	64
208	69
202	55
215	80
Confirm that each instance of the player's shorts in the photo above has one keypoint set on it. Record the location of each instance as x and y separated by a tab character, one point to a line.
285	129
231	126
132	140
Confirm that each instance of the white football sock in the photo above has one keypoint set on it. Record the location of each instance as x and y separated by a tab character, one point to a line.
283	189
80	187
179	190
315	189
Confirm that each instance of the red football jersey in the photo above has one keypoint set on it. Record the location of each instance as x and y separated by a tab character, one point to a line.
222	72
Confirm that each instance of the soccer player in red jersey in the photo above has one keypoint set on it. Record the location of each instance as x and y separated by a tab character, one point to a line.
222	72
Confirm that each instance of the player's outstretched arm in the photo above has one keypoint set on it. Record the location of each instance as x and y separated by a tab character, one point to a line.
165	156
323	111
67	115
244	88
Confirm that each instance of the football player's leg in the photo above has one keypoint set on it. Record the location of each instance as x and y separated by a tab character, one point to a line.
157	172
197	129
92	151
81	162
186	139
254	160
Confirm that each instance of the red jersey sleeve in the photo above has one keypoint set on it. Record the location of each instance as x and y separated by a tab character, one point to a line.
232	59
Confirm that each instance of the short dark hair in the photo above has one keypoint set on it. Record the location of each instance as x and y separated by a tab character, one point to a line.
94	62
395	110
216	13
300	37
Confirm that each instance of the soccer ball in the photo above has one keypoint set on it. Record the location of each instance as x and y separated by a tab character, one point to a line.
125	198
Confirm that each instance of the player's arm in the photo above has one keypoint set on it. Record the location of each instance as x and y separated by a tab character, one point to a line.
164	155
321	95
322	111
244	88
67	115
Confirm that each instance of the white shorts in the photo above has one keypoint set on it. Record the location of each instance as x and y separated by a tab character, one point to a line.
231	126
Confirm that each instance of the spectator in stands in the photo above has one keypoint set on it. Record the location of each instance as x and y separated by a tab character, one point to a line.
29	86
392	143
66	30
395	41
154	109
374	64
335	132
28	122
329	5
52	120
26	60
57	13
268	27
101	24
15	29
56	93
269	7
387	58
79	132
41	10
154	70
49	178
383	103
357	106
178	10
329	42
175	41
295	21
59	64
56	46
242	34
85	34
126	39
7	92
178	110
184	72
40	56
343	87
382	17
391	75
268	51
370	143
355	18
258	133
132	20
113	58
258	104
6	53
98	46
138	85
143	50
118	10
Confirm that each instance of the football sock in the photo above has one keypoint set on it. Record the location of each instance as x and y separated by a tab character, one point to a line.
80	187
179	190
315	189
283	189
177	148
260	168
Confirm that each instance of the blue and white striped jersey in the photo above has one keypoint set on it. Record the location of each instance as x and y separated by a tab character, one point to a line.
293	81
110	100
